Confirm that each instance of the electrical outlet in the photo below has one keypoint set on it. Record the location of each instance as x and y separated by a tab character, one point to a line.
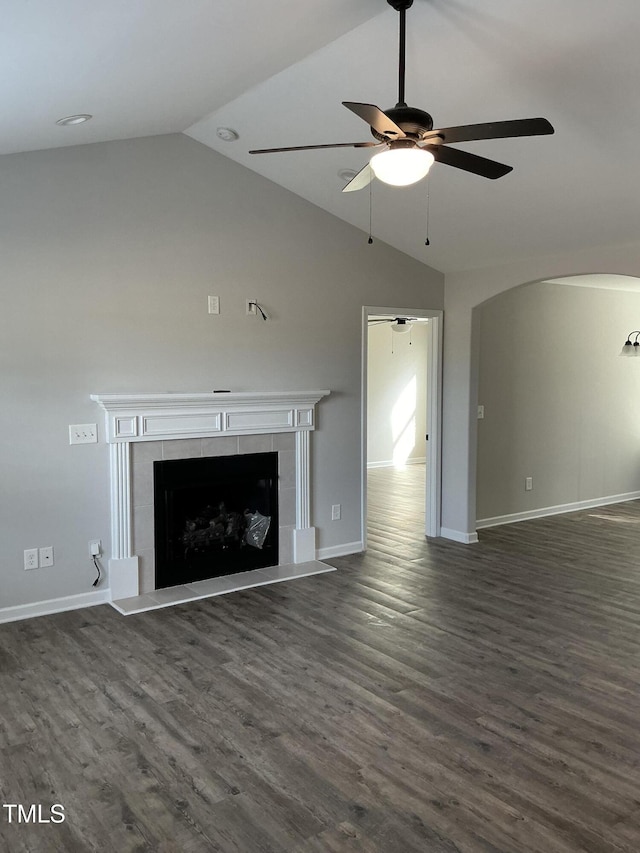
528	484
31	559
83	434
46	556
95	546
336	512
480	412
251	306
214	304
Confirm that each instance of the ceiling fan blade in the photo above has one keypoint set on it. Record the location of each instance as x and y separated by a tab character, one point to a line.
469	162
492	130
373	321
313	147
360	181
376	119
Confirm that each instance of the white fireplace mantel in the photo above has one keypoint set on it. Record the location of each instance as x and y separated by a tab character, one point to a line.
131	418
158	417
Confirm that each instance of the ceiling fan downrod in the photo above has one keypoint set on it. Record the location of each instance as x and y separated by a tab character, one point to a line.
401	6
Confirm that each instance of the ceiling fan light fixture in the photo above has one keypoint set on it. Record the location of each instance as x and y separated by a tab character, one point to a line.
401	166
401	326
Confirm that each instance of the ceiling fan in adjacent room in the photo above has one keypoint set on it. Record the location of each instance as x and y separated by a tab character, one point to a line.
398	324
406	140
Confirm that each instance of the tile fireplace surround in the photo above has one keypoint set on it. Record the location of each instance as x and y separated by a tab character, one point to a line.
142	428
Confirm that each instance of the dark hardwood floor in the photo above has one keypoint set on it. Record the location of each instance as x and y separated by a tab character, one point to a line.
427	697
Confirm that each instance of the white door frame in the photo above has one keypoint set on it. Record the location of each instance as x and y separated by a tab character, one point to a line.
433	489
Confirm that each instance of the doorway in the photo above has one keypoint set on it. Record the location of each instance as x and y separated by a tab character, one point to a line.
401	403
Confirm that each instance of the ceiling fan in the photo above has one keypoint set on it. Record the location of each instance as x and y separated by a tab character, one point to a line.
398	324
408	142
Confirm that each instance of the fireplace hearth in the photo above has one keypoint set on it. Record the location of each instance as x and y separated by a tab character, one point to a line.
214	516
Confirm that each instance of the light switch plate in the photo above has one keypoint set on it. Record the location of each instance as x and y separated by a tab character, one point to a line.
83	434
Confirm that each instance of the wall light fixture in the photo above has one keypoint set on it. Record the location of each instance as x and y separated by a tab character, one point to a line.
631	348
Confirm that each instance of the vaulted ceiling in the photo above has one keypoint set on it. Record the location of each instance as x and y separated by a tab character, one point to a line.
276	72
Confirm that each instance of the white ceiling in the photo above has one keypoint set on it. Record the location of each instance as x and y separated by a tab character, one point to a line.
277	72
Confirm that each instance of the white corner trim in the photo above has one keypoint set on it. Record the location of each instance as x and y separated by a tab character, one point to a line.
304	544
123	578
54	605
339	550
458	536
559	509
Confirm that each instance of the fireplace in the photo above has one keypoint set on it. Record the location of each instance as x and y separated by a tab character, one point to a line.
214	516
144	428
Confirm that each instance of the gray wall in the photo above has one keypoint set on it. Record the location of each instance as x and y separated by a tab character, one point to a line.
108	254
394	361
561	405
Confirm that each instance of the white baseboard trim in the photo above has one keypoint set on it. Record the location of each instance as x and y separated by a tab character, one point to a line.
559	509
339	550
389	463
458	536
54	605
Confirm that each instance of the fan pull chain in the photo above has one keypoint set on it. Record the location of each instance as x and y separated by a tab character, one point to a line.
370	240
427	241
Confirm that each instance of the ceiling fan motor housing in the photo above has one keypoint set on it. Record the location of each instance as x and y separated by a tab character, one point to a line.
413	122
400	5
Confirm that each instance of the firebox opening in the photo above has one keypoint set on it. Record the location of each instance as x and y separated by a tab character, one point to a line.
214	516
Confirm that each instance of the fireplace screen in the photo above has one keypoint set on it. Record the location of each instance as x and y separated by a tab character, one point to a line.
215	516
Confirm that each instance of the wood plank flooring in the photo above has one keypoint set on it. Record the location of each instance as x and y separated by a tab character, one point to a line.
427	696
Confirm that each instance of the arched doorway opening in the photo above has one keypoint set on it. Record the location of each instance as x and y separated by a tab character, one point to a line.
560	406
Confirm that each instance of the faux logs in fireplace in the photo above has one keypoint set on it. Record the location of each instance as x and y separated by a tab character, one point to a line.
214	516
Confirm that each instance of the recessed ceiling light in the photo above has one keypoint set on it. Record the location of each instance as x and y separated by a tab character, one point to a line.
79	119
227	134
